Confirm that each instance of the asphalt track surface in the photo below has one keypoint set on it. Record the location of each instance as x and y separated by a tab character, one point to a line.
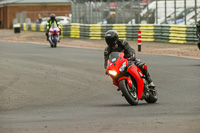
64	90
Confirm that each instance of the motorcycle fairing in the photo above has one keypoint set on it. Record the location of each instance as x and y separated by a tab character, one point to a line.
128	80
134	71
113	65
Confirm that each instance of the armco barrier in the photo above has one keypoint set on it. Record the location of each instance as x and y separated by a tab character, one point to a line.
149	32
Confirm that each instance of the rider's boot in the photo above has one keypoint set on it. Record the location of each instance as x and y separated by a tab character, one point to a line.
151	85
144	70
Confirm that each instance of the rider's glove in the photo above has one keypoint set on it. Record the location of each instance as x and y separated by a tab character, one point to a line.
130	57
127	55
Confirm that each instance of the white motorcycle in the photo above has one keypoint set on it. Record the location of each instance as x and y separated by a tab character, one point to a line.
54	33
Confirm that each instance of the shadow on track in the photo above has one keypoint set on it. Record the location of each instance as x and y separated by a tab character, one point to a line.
127	105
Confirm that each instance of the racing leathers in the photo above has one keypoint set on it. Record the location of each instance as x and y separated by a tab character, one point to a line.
129	53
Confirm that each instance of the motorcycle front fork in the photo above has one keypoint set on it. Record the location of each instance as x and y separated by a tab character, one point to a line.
145	93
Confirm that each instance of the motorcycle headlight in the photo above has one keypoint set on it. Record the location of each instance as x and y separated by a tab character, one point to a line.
121	69
112	72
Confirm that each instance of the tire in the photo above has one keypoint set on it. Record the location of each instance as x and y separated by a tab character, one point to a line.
55	44
131	97
153	97
51	44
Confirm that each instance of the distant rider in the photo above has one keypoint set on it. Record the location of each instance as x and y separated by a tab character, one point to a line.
49	22
198	33
119	45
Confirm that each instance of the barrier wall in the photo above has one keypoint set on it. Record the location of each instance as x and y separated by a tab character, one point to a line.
150	32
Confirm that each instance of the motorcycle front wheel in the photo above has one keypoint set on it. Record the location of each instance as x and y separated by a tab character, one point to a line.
128	92
53	41
55	44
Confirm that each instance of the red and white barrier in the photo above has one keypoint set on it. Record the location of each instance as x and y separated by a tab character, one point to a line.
139	41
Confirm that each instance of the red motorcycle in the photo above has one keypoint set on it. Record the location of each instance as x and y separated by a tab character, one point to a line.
129	79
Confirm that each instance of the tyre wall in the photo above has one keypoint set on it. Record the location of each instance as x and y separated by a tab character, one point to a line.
149	32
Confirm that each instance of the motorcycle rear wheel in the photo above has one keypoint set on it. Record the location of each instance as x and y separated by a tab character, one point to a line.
129	94
153	97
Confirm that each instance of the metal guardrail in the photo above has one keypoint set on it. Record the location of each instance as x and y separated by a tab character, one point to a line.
149	32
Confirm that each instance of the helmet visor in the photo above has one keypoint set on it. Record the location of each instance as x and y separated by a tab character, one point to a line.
111	41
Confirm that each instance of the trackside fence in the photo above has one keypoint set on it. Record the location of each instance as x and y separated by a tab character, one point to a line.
149	32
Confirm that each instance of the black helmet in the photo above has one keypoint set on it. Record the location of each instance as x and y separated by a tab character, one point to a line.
53	16
111	38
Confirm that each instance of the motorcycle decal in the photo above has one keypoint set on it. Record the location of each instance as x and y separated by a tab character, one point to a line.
140	73
132	66
114	59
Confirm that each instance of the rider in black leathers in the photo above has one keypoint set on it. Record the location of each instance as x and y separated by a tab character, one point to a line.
198	33
118	45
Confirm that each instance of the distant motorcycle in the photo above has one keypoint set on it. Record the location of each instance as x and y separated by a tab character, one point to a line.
54	33
129	79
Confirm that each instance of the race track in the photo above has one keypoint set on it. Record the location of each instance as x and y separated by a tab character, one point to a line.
65	90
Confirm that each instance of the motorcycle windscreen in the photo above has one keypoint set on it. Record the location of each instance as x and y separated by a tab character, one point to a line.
114	56
54	26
